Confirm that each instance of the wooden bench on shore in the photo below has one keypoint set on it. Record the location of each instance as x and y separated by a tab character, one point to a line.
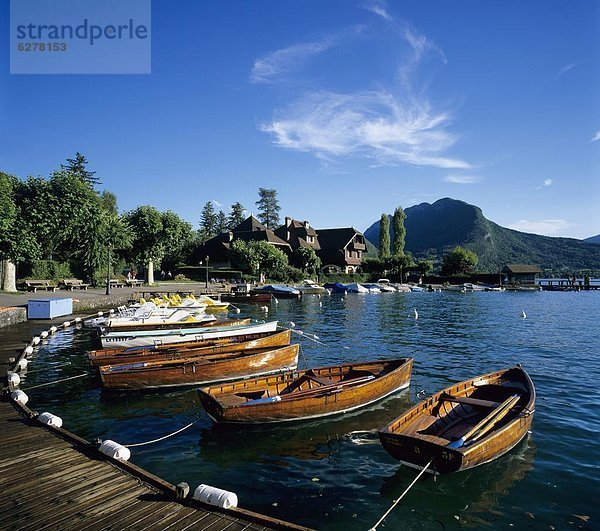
116	283
134	282
34	285
73	283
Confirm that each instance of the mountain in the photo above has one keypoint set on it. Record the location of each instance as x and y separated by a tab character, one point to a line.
432	230
593	239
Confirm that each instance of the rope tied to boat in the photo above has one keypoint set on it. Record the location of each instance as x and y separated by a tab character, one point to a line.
57	381
423	470
161	438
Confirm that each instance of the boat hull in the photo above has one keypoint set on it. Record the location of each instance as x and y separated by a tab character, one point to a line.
423	434
223	403
200	371
190	350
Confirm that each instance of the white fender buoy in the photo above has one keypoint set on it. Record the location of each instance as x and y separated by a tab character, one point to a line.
28	350
50	419
44	335
523	314
416	313
214	496
20	397
66	324
53	329
115	450
13	379
36	340
237	310
320	304
264	308
77	320
111	311
275	300
100	314
22	363
292	324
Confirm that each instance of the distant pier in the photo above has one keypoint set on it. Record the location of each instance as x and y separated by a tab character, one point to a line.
568	284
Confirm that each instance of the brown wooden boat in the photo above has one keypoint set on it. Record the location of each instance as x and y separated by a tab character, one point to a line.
306	394
465	425
210	368
179	351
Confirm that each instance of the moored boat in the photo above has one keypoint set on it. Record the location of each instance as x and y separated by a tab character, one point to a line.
307	394
190	350
209	368
279	292
310	287
466	424
141	338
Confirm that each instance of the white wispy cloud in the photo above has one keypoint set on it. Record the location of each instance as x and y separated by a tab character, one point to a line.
379	8
377	125
545	227
462	179
388	125
545	184
596	137
216	203
565	69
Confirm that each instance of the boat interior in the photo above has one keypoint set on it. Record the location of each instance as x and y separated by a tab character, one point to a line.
464	416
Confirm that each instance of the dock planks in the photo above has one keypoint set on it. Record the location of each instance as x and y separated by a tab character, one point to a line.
53	480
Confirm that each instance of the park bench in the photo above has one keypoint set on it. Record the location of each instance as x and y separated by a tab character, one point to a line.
34	285
134	282
116	283
73	283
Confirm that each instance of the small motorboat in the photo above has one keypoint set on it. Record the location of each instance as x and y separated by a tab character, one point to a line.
310	287
417	288
307	394
356	288
209	368
466	424
279	292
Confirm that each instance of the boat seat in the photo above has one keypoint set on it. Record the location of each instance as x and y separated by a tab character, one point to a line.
322	381
470	401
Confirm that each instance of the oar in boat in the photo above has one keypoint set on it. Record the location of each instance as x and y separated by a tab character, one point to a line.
484	425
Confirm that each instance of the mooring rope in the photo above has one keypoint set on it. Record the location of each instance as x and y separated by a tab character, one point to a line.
161	438
57	381
311	337
401	496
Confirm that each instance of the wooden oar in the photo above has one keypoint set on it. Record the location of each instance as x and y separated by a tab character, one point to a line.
327	388
503	408
495	421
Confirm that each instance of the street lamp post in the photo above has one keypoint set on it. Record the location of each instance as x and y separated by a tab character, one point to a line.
108	269
206	273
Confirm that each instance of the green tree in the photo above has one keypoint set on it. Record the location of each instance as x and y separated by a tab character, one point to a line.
208	222
77	167
221	224
236	216
399	232
148	245
459	261
425	266
177	236
260	258
268	207
306	259
384	237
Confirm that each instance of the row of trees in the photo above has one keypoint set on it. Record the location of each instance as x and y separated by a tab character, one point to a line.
398	232
63	219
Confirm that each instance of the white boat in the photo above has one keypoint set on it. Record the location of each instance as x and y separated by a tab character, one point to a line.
356	288
473	287
310	287
417	288
144	338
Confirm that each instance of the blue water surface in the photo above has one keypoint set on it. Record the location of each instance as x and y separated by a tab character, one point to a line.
334	474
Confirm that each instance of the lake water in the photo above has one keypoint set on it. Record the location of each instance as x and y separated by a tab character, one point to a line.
334	474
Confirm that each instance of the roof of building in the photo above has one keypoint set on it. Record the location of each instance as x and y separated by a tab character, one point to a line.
336	238
266	235
522	268
249	224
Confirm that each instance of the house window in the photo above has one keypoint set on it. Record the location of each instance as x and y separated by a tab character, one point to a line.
310	239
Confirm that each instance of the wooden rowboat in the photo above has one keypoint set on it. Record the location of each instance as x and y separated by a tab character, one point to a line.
200	370
307	394
466	424
189	350
189	322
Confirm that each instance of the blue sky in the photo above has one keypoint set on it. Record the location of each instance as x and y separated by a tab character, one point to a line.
348	109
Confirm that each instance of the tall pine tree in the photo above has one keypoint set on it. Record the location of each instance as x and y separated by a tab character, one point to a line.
268	207
236	215
384	237
208	222
221	223
399	231
77	166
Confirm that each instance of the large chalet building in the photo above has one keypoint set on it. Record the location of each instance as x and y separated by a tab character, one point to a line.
340	250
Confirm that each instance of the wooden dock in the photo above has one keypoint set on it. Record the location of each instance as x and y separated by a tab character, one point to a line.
52	479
